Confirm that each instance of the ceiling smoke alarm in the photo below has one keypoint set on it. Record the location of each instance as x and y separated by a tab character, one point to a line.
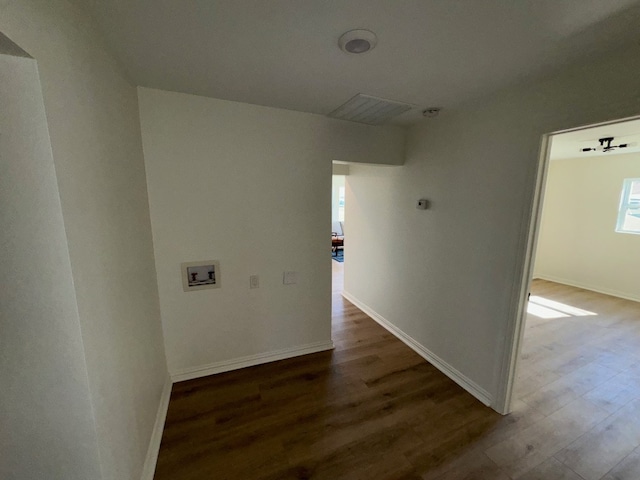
357	41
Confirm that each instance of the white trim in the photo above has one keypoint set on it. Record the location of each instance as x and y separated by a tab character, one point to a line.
149	467
584	286
249	361
528	239
455	375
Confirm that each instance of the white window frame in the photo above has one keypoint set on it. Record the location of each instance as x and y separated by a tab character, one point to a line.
625	205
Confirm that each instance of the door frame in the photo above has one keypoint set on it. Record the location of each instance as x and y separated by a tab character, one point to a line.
515	328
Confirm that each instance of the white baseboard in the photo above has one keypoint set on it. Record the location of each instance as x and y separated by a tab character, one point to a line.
571	283
250	361
149	468
466	383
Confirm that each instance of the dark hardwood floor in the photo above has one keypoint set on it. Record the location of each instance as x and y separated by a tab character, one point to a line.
373	409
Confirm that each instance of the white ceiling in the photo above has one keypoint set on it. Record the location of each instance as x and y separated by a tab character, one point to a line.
568	145
284	53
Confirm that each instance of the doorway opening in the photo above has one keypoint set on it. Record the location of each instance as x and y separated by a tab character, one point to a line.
337	218
578	327
338	194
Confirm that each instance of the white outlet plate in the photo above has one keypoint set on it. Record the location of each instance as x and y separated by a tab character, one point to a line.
254	281
290	278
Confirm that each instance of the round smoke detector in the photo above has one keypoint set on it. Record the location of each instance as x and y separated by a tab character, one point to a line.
357	41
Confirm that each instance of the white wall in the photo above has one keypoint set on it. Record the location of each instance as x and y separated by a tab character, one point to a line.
249	186
449	277
46	416
578	244
95	137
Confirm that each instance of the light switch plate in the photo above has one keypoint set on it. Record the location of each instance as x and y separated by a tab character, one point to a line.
254	281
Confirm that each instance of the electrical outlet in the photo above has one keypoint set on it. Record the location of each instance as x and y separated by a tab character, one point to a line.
290	278
254	281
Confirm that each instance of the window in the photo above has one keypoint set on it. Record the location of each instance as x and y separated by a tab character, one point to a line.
341	204
629	213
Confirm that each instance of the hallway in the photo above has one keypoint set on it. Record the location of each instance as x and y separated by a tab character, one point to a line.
372	408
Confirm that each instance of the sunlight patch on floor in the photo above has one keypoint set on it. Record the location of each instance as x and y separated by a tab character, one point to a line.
544	308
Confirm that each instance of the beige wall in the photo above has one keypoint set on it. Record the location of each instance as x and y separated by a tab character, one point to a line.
93	122
249	186
341	169
578	244
450	277
43	372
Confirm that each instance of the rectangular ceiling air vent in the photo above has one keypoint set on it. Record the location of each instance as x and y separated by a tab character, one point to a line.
369	110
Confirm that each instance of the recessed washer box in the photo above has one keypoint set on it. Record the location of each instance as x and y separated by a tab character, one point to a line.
200	275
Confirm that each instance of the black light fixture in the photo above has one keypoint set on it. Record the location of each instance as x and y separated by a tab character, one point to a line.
605	145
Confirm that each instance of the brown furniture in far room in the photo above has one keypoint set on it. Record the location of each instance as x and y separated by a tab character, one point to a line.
336	242
337	238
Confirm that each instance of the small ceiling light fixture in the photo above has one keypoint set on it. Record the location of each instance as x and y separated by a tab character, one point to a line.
357	41
605	146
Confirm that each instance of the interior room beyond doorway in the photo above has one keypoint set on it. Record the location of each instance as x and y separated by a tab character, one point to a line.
338	193
580	354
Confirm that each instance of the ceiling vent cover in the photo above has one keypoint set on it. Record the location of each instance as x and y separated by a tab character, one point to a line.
369	110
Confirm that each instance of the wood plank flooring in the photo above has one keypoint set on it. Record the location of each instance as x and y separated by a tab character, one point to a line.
373	409
580	367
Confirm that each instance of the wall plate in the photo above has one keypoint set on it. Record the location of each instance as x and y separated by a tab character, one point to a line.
200	275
